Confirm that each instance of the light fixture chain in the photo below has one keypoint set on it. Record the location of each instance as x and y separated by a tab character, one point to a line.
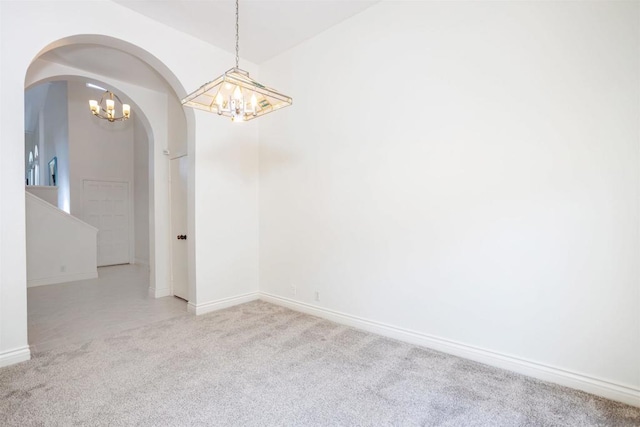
237	35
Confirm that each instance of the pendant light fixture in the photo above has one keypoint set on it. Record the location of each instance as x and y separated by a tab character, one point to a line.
106	107
234	94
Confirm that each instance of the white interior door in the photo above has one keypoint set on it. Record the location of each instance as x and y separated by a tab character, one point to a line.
105	205
179	267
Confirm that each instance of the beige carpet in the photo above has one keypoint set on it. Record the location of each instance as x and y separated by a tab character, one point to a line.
262	365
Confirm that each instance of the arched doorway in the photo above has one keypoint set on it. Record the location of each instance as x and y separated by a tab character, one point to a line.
227	156
152	111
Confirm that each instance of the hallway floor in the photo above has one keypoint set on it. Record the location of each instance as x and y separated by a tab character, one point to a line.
85	310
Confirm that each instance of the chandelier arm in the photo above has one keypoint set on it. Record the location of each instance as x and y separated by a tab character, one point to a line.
111	96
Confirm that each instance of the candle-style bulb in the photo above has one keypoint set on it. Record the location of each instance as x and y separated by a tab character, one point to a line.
237	94
93	106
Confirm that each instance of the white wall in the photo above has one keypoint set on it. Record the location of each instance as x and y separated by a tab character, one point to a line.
51	134
226	173
54	141
176	127
60	248
98	150
48	193
467	171
141	191
172	54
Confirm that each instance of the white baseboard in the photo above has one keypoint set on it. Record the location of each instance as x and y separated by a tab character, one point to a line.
210	306
16	355
159	293
62	278
609	390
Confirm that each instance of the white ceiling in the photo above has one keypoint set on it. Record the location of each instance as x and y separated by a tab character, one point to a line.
267	27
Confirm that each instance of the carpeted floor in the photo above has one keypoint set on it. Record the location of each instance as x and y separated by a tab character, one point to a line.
258	364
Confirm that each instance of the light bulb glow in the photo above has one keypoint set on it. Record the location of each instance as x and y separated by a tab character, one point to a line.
237	94
219	100
111	105
126	110
254	101
93	106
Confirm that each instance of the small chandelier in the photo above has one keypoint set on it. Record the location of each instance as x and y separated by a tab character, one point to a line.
106	108
234	94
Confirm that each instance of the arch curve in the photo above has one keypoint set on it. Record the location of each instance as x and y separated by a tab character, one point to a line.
124	46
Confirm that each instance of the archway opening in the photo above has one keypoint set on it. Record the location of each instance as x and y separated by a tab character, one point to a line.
158	127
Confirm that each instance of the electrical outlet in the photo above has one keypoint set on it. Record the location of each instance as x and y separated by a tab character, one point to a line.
294	290
317	296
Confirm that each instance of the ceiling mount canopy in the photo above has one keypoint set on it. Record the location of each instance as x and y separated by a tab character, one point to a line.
106	107
234	94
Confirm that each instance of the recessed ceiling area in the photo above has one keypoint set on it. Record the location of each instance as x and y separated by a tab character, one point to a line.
267	27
